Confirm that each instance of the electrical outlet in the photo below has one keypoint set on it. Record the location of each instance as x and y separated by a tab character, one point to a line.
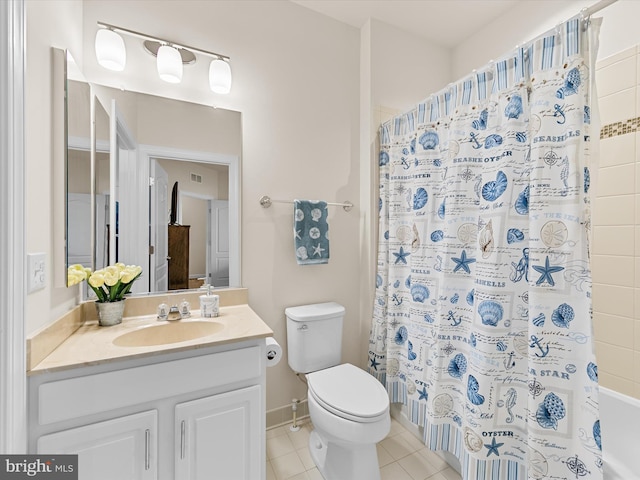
36	271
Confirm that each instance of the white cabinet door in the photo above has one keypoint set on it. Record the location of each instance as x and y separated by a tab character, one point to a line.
122	448
219	437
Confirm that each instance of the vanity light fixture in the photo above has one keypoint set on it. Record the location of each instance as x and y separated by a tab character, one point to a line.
110	50
170	56
220	76
169	64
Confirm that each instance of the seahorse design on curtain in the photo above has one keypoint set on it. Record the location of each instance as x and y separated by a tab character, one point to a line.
482	315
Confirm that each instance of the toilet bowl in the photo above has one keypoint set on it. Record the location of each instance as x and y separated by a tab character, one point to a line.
349	410
348	407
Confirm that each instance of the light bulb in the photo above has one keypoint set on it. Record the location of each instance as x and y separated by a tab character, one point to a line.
169	64
110	50
220	76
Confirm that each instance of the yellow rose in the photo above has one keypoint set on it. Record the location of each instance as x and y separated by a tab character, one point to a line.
129	273
73	278
111	276
96	280
76	274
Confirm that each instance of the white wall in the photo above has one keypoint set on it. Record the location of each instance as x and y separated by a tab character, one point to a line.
296	84
532	18
49	24
405	68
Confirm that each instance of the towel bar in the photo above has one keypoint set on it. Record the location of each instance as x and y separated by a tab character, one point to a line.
266	202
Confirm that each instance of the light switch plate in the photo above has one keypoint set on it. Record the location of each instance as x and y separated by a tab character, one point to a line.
36	271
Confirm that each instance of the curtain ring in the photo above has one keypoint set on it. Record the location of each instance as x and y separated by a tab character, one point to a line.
584	19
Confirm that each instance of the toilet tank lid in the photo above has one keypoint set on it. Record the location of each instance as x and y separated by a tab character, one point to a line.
317	311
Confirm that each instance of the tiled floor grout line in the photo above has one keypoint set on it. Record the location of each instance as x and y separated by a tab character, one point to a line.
403	458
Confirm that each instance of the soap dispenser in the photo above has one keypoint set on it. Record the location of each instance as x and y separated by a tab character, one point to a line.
209	304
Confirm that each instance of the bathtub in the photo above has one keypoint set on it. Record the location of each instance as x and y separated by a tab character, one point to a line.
620	423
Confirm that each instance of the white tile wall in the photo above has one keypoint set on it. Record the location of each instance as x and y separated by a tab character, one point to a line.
616	228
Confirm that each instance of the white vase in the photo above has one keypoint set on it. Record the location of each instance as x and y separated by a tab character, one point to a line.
110	313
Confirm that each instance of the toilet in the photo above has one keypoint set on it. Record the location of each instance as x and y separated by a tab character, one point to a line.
349	408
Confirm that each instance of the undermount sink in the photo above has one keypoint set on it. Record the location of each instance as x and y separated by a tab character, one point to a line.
168	333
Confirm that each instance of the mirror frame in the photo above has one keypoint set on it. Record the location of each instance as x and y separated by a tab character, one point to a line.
59	142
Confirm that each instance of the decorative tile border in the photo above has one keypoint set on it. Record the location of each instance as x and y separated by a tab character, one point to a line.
620	128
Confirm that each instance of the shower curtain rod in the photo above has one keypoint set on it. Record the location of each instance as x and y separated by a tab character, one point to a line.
597	7
585	13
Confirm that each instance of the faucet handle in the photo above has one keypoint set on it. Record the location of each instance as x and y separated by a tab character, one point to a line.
163	311
185	309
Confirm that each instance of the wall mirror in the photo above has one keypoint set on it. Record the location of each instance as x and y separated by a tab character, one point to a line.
162	190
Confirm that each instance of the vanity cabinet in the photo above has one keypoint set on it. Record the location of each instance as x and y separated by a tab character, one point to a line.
118	448
196	414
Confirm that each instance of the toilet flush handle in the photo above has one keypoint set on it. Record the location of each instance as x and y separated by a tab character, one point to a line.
304	326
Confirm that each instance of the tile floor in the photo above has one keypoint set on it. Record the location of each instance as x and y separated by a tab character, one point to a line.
401	456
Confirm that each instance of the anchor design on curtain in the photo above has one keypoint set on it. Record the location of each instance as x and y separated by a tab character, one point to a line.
482	315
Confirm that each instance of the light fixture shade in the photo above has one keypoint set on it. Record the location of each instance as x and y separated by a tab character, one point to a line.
220	76
169	64
110	50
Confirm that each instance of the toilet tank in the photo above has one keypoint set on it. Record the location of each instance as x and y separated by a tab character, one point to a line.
314	336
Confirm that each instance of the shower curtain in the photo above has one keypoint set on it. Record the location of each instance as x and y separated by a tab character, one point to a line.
482	316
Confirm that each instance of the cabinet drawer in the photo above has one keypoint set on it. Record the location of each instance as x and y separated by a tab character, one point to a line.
76	397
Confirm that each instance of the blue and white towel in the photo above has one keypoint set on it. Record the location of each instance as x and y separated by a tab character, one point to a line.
311	232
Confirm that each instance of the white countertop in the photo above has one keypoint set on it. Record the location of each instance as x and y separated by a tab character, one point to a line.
92	344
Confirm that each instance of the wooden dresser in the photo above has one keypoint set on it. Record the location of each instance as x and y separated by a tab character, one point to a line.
178	257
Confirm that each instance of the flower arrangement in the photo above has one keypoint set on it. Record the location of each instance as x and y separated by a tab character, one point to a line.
110	284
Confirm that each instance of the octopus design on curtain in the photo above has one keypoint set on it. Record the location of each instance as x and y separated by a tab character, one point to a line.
482	316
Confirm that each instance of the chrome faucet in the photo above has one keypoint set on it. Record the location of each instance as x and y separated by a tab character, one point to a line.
174	314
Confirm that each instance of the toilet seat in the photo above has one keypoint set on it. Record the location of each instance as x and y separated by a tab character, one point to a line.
350	393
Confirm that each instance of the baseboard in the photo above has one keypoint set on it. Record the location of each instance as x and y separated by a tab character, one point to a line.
284	415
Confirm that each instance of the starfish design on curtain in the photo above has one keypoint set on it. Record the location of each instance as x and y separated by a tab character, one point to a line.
401	256
546	271
374	363
463	262
423	394
493	447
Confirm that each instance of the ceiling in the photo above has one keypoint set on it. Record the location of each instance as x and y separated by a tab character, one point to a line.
416	16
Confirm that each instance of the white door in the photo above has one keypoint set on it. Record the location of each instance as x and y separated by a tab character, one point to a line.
79	228
159	241
102	232
218	246
122	448
219	437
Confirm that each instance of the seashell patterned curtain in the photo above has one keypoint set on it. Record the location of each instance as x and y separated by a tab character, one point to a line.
482	318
